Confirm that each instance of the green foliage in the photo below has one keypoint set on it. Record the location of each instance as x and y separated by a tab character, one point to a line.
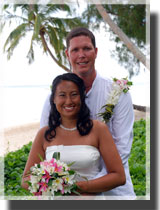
106	115
15	163
131	19
137	160
15	36
56	155
47	29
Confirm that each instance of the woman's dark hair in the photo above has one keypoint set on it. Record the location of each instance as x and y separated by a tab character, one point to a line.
84	123
80	31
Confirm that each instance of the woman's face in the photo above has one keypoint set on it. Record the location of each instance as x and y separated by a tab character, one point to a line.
67	99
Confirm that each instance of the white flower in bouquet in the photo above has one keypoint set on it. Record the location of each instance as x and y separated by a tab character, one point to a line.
57	184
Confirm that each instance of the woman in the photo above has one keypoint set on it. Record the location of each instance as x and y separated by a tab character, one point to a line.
71	132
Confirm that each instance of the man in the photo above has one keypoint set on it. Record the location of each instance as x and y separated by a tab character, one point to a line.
81	52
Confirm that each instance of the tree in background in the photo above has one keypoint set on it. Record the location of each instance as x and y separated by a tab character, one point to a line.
131	19
47	27
50	31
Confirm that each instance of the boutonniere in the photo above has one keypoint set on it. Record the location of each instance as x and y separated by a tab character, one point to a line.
118	87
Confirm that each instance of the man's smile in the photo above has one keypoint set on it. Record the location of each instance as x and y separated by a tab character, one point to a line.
82	63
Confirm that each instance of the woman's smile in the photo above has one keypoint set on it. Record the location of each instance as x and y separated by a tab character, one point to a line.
69	108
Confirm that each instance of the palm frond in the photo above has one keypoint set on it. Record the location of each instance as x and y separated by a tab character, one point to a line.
9	16
66	22
54	41
31	16
39	19
14	38
30	54
5	6
13	45
37	26
2	24
52	33
52	8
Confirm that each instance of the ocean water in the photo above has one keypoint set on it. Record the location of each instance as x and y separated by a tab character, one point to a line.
23	104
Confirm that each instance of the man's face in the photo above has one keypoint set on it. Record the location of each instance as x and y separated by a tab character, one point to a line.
81	55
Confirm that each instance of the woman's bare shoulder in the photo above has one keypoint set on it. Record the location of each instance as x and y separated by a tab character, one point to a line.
43	129
40	134
99	124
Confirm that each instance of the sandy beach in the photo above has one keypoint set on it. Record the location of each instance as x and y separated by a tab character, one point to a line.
15	137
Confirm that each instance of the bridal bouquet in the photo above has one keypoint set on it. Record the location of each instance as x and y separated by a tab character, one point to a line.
51	178
118	87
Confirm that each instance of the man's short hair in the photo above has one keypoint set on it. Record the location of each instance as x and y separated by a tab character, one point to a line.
80	31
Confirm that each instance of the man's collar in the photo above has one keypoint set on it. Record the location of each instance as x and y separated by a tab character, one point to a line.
94	83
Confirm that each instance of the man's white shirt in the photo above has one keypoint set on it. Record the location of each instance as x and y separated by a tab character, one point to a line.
120	126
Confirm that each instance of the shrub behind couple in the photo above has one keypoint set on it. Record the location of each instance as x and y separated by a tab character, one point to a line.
77	137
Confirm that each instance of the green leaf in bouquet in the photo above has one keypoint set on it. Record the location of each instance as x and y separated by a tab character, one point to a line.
58	193
129	83
38	165
76	192
50	182
40	157
74	189
71	172
84	178
70	164
29	183
125	90
55	175
115	79
56	155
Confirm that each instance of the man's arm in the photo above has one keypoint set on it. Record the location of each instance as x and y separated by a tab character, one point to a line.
122	126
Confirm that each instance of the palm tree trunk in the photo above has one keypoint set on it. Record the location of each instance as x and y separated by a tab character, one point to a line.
138	54
50	53
140	108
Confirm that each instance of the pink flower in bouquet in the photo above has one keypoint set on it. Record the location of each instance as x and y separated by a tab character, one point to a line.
57	168
47	177
37	193
45	163
118	81
43	186
125	82
62	191
54	164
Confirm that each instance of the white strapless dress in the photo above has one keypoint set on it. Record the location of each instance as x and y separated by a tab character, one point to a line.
86	158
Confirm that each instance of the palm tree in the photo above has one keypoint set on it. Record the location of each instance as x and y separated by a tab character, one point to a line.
123	37
47	29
